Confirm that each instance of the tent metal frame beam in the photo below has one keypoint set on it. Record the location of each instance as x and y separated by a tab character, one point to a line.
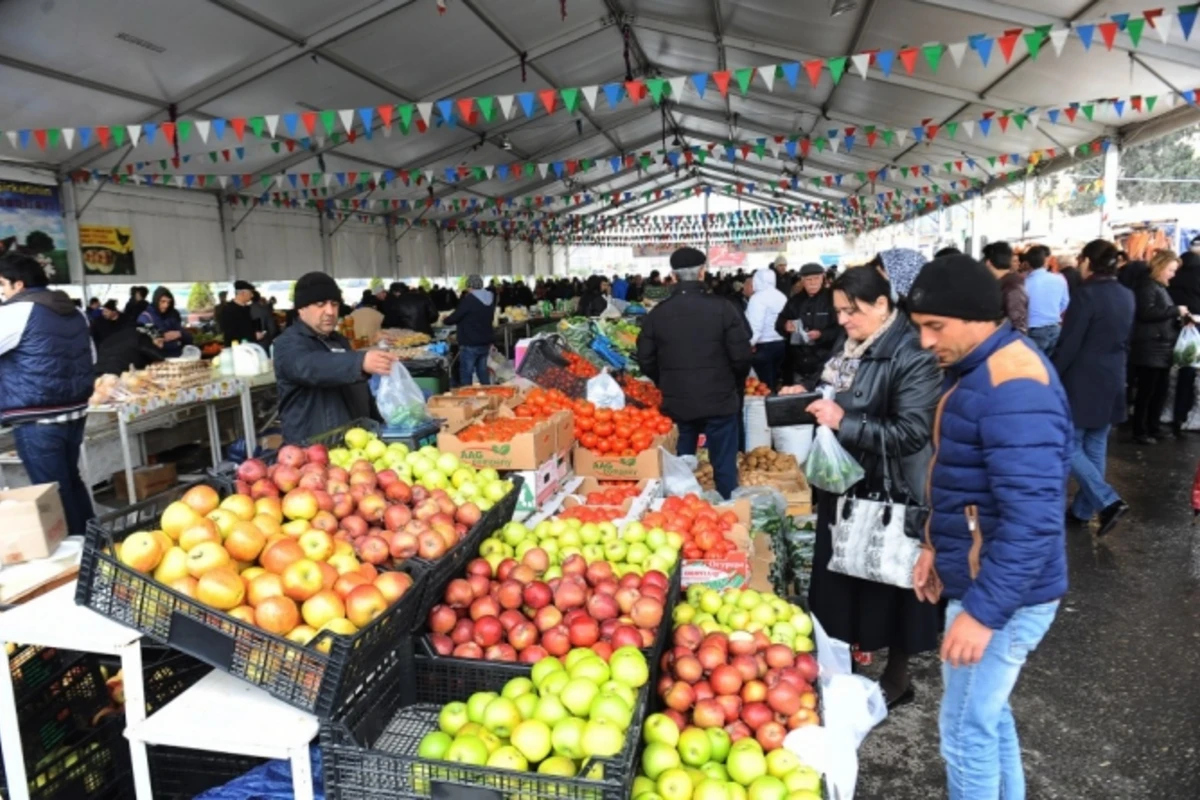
860	31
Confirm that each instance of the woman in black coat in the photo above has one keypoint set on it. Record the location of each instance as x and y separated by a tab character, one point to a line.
1185	291
886	390
1090	358
1154	334
593	303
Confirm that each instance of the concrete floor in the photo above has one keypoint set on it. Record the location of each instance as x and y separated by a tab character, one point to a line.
1109	705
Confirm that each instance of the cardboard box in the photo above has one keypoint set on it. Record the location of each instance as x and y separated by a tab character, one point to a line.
564	431
732	571
540	486
632	508
457	410
488	393
34	523
147	481
647	464
526	451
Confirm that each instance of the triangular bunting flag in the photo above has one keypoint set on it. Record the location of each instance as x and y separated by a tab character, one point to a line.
426	112
346	115
901	137
1033	43
272	121
884	59
982	45
813	68
1085	32
1150	101
506	105
1134	28
589	94
968	125
678	84
908	57
1187	19
405	113
612	93
700	81
1058	37
329	121
570	98
1088	110
767	74
636	90
1007	43
466	107
135	134
861	63
933	55
1163	24
957	51
548	97
1108	31
68	135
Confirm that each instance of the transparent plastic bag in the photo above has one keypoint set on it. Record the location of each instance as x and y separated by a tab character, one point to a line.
400	400
190	353
679	474
604	392
794	440
1187	348
754	419
828	466
765	503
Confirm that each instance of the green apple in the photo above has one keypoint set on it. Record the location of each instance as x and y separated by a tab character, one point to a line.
477	704
512	536
656	538
628	665
803	623
634	532
532	739
611	708
781	761
555	571
554	684
560	766
683	613
489	546
488	475
508	757
702	618
591	669
357	438
767	787
660	563
452	717
527	705
569	538
496	491
517	687
501	716
593	553
620	690
615	551
710	601
746	764
589	533
710	789
763	614
578	654
661	729
434	745
694	747
802	779
550	710
657	758
674	784
803	644
739	618
602	739
638	553
468	750
558	527
567	738
736	791
721	743
578	696
715	770
544	669
642	786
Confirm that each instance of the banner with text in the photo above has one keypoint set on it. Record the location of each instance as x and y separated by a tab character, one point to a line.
31	220
107	250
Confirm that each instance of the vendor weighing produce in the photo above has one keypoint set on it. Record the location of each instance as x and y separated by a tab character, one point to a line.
322	382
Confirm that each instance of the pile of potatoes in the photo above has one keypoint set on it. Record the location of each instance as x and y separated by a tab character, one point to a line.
764	459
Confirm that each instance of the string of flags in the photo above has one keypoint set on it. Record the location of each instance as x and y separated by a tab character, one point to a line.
1167	24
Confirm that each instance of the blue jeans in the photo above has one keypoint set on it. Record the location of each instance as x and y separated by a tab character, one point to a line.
979	735
1087	467
472	363
768	362
722	437
1046	338
50	454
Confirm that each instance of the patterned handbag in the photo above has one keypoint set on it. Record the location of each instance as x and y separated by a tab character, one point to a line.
870	539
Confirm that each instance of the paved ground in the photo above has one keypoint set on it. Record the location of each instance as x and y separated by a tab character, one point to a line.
1109	705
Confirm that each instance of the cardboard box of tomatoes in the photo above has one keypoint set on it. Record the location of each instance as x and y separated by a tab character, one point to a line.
456	410
502	441
622	444
730	570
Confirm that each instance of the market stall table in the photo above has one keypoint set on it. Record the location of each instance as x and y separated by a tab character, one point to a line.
53	620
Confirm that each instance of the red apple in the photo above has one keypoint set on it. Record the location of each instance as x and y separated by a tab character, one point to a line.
770	736
484	607
402	545
291	456
569	595
510	618
783	698
500	652
443	645
688	669
557	640
547	617
537	595
726	680
754	691
442	619
479	566
602	607
396	517
680	697
583	632
532	654
458	593
625	636
522	635
252	470
708	714
510	594
488	631
731	704
757	714
468	650
689	636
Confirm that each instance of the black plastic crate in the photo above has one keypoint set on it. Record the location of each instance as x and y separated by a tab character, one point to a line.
546	365
223	477
370	752
33	666
299	675
413	438
97	767
178	773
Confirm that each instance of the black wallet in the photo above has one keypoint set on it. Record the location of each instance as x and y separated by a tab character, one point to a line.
789	409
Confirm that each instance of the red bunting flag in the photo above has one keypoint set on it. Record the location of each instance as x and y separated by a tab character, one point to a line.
1108	30
813	68
168	129
548	97
40	135
239	127
908	57
1070	111
309	118
1007	42
1136	102
465	105
385	114
932	131
636	90
805	145
721	79
1004	123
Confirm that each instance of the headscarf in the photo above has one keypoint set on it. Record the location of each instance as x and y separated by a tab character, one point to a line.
901	266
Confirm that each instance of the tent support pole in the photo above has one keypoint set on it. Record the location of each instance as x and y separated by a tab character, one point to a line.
66	190
326	244
393	252
227	245
1112	171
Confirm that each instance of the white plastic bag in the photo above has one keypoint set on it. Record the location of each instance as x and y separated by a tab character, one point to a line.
828	466
1187	348
754	417
190	353
400	400
795	440
679	474
604	392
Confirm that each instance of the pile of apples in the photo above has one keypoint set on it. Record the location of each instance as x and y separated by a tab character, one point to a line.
521	611
421	503
706	764
745	610
705	529
635	548
756	388
739	681
551	723
238	555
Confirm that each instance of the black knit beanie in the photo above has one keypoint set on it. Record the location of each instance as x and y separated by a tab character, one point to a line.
315	287
688	258
958	287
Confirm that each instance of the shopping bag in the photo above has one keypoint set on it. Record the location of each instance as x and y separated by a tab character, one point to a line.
754	419
679	475
1187	348
399	399
604	392
828	466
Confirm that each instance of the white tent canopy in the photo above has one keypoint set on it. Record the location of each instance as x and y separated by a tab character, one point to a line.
69	68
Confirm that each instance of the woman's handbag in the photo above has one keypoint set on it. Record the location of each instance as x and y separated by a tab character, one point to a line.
870	539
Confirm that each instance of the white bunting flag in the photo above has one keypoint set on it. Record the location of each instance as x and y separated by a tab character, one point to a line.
426	112
678	84
542	169
833	143
135	133
861	62
489	170
969	126
202	128
901	136
224	181
1035	117
272	121
12	138
1163	25
506	105
957	51
1058	38
767	74
68	137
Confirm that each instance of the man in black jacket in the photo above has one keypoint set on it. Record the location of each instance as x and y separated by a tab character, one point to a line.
408	309
474	317
1185	291
693	345
237	324
809	313
322	382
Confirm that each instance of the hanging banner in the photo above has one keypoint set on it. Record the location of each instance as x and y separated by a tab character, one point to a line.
720	256
106	250
31	220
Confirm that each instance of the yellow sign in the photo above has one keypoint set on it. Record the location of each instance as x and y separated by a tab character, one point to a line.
107	250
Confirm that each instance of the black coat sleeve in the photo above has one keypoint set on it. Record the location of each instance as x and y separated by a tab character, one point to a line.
1153	303
915	384
316	366
791	311
647	350
460	312
1074	331
737	341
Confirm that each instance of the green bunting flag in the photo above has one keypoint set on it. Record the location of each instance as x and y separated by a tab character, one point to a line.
256	125
183	129
933	54
274	146
743	79
1088	110
837	68
118	134
487	105
329	120
890	136
820	144
406	114
570	98
1150	101
1134	28
951	128
656	86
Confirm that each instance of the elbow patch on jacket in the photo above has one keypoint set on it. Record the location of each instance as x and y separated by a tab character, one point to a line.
1017	361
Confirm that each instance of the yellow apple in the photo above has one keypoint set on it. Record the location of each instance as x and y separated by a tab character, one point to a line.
322	607
140	551
317	545
302	579
207	556
221	588
172	567
176	517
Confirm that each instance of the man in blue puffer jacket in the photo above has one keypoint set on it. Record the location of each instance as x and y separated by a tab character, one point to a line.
996	546
46	357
